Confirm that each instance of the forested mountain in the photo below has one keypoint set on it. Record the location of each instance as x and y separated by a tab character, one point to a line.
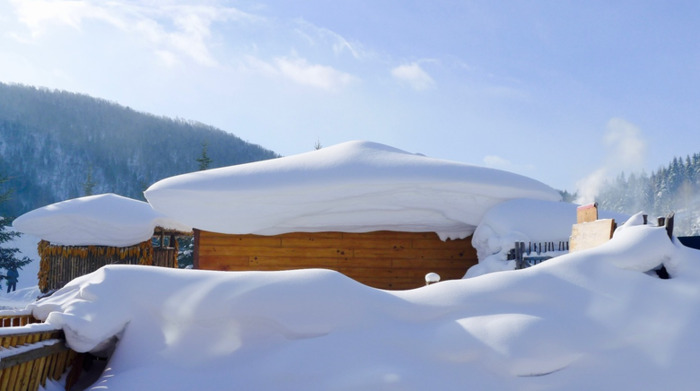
56	145
675	188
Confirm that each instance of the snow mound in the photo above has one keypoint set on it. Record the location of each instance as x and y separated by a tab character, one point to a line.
522	220
100	220
586	320
356	186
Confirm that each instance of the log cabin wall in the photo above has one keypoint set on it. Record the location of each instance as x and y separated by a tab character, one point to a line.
385	259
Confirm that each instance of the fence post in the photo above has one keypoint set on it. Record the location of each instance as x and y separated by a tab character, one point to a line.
519	251
669	224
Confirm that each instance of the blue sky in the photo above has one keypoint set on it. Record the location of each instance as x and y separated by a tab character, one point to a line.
562	91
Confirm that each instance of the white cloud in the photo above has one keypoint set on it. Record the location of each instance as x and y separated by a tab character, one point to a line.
297	70
180	30
337	42
413	75
167	57
39	16
253	64
314	75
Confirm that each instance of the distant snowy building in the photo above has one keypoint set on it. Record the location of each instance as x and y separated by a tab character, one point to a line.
380	215
83	234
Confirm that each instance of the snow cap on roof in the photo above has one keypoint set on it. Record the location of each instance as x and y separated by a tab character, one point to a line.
99	220
357	186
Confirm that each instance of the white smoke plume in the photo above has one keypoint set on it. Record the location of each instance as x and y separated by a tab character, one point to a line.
625	152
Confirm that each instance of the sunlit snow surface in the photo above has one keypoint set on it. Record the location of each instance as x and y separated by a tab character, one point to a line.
523	220
101	220
357	186
592	320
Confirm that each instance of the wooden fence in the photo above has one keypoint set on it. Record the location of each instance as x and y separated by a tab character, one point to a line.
32	352
61	264
165	257
536	252
16	318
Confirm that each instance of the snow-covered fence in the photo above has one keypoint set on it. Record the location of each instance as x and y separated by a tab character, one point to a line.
32	352
536	252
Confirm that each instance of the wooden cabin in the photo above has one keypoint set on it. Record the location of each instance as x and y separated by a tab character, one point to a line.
80	235
381	259
370	211
60	264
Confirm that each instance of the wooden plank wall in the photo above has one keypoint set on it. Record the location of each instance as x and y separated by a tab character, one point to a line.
385	260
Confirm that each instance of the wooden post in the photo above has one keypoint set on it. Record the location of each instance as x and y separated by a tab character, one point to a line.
669	224
195	250
519	252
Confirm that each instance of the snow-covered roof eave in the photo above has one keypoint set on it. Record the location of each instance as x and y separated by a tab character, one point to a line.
99	220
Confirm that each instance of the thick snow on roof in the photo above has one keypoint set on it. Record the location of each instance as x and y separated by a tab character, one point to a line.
100	220
590	320
356	186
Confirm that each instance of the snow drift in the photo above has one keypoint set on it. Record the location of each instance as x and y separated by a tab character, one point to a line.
356	186
588	320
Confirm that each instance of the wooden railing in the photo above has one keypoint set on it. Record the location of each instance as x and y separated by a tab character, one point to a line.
16	318
32	352
536	252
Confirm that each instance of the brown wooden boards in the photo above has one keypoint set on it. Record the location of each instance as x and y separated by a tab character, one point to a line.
587	213
382	259
591	234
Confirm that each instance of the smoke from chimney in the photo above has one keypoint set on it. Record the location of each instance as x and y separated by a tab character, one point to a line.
625	151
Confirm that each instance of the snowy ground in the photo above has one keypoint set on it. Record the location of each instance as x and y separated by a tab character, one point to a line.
591	320
27	289
588	320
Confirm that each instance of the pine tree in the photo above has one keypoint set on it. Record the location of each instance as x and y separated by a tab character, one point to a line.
8	256
89	185
204	160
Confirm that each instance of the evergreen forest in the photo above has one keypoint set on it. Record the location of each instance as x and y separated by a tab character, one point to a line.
674	188
57	145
